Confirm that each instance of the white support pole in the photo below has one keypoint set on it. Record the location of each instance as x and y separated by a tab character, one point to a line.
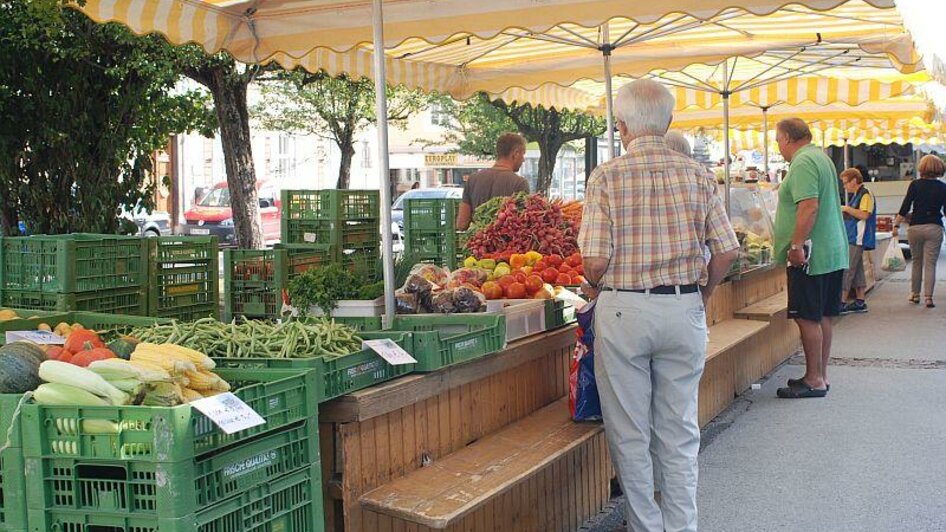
608	95
847	156
765	141
726	154
381	111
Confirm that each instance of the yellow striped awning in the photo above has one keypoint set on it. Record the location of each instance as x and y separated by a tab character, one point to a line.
866	133
748	117
542	53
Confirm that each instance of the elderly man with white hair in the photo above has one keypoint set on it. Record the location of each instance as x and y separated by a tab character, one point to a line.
647	216
678	142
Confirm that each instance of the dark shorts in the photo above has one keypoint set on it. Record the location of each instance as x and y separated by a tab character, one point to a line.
813	297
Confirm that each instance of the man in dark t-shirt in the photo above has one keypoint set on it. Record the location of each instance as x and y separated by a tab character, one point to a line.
500	180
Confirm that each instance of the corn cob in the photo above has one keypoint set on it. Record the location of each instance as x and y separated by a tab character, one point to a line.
200	360
202	380
192	395
156	355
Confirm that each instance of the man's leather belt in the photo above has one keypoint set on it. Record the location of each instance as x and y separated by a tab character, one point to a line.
662	290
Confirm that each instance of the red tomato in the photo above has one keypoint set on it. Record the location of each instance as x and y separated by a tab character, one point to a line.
563	279
534	283
540	266
516	291
549	275
507	280
578	279
580	269
565	268
554	260
492	290
520	276
574	260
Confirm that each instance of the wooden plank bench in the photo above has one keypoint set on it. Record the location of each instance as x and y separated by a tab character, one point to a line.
732	345
728	334
767	309
442	494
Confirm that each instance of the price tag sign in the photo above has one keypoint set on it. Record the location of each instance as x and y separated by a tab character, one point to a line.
390	351
309	237
37	337
228	412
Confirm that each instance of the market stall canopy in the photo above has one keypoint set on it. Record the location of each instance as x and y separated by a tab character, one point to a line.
548	54
924	19
867	132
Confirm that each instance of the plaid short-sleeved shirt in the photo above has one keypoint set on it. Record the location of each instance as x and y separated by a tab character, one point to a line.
651	212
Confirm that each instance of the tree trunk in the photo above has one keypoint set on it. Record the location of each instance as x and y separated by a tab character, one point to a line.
344	165
229	94
548	152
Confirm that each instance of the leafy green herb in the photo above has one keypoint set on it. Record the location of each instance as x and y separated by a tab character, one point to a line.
323	288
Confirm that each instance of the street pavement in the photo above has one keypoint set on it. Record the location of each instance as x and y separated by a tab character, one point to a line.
870	457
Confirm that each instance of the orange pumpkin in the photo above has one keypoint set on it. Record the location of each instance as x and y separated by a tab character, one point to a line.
77	340
88	356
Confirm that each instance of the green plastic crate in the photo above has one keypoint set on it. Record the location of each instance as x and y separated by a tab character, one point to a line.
292	503
167	434
332	205
75	263
170	489
133	301
341	234
255	279
364	263
431	214
12	480
361	324
441	341
184	277
558	314
339	375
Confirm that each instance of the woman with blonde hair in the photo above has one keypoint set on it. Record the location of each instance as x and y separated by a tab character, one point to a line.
924	207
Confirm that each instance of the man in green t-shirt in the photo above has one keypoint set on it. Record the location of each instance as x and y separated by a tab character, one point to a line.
811	240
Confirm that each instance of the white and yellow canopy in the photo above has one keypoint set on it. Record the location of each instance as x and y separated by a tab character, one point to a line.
867	133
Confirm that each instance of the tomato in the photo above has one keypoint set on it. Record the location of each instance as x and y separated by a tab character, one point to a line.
520	276
534	283
549	275
506	280
540	266
563	279
578	279
554	260
574	260
565	268
517	261
527	270
580	269
516	291
492	290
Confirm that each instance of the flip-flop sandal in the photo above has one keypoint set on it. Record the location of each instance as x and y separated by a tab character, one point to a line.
796	382
915	299
929	303
800	391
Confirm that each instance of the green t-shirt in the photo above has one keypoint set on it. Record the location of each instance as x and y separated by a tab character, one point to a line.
812	175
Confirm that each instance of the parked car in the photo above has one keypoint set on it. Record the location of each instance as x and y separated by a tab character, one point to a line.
212	215
150	224
397	210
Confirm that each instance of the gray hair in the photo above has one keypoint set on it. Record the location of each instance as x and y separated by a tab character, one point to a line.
678	143
645	107
795	129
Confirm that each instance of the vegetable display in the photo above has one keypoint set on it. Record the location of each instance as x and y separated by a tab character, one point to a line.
523	223
289	339
325	286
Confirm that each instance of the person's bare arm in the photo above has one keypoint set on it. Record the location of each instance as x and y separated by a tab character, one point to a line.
857	213
464	216
805	217
716	270
595	268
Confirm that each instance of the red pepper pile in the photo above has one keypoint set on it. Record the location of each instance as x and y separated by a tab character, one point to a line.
526	223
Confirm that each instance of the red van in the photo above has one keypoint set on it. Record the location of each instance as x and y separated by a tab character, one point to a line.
212	214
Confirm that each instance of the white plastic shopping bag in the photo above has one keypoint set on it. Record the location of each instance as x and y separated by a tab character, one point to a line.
893	258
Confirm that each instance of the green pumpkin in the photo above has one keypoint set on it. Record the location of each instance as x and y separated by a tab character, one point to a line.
123	347
19	367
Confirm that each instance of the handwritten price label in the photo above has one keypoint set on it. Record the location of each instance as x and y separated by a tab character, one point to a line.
390	351
228	412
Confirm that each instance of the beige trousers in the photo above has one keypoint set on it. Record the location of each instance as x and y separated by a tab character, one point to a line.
649	355
925	243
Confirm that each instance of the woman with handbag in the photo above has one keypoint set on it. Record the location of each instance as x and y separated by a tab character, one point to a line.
925	204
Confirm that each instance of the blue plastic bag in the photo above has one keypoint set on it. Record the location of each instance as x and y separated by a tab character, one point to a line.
583	389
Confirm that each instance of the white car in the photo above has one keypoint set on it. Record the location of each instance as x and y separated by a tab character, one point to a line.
150	224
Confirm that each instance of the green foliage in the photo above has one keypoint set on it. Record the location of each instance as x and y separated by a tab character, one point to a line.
322	287
84	106
480	120
337	108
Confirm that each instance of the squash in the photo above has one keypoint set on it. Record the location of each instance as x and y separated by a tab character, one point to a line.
88	356
7	314
79	338
44	327
123	347
55	352
25	348
63	329
19	368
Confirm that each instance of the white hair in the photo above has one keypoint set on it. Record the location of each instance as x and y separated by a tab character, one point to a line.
645	107
678	142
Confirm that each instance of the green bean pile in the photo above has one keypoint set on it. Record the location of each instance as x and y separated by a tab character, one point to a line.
257	339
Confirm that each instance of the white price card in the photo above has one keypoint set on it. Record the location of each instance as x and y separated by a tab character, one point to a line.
390	351
37	337
228	412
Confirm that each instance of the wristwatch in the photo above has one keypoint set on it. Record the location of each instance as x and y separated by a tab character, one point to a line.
796	247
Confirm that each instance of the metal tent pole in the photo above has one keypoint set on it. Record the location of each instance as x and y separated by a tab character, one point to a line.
847	157
726	154
381	112
606	49
765	141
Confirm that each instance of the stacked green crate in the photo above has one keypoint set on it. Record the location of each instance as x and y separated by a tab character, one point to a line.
430	233
348	220
255	280
96	273
171	469
184	277
444	340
